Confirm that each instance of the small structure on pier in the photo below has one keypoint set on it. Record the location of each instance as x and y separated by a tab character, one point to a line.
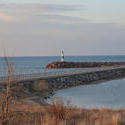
62	56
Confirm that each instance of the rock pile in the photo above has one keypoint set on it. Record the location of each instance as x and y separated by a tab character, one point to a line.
57	65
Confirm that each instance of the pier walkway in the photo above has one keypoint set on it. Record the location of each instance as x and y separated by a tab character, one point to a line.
70	72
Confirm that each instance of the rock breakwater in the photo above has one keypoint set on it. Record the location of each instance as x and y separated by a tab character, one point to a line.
57	65
62	82
74	78
47	83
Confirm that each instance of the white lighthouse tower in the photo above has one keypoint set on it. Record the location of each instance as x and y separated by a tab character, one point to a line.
62	56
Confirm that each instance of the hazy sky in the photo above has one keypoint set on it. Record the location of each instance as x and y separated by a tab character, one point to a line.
45	27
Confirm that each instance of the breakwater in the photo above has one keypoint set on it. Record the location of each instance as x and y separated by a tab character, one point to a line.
57	65
89	77
67	79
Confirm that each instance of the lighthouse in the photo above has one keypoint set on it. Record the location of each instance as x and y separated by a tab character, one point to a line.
62	56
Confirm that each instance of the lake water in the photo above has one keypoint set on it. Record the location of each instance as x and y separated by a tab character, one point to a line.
27	65
109	94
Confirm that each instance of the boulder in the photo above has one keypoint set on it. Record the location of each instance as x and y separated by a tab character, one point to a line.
40	86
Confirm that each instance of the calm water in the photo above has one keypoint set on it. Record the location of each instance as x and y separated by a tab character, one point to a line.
27	65
110	94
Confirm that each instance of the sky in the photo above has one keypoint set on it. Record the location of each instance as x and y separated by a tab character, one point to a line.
45	27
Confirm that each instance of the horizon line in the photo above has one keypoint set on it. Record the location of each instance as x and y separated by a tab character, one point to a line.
68	55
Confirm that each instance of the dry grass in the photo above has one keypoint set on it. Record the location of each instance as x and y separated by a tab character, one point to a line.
6	97
59	114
